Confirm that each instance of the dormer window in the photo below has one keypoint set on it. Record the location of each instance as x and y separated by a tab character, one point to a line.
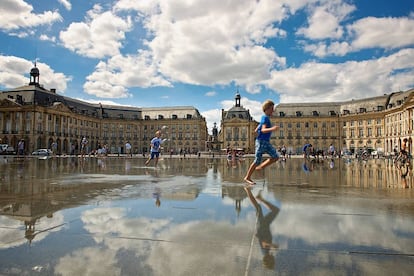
146	117
315	113
282	114
298	113
362	110
160	117
332	113
346	112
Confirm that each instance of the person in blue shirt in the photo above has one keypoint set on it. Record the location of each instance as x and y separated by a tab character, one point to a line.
307	149
262	143
155	148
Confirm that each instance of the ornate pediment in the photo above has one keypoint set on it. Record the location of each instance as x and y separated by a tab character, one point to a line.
9	103
59	106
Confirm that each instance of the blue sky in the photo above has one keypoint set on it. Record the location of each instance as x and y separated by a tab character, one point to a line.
152	53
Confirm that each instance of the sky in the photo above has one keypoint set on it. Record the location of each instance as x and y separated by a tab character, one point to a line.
155	53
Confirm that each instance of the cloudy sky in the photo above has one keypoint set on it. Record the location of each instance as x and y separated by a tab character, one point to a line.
152	53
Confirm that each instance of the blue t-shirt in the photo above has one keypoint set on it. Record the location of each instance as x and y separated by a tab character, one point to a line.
155	144
265	120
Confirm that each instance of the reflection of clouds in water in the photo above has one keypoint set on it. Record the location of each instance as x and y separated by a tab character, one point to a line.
196	241
190	248
202	247
338	224
348	264
12	232
88	261
104	221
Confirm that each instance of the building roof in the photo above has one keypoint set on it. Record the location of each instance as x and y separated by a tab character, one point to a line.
307	109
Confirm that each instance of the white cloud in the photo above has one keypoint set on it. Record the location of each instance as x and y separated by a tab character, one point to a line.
366	33
324	20
194	43
47	38
111	78
211	93
100	36
13	71
321	82
388	33
66	4
17	14
323	49
212	43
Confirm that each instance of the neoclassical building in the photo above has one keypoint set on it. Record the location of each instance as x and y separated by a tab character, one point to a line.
237	127
41	117
377	123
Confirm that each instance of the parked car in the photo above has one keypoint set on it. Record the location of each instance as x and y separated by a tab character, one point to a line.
42	152
6	149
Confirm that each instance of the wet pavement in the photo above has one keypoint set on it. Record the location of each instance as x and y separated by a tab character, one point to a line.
114	216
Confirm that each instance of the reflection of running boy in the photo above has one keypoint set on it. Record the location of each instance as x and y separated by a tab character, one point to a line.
264	130
155	147
263	227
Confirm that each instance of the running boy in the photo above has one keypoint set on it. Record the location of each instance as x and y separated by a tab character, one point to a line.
155	148
262	144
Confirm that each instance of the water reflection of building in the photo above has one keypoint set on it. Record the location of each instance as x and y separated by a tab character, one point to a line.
375	173
236	193
32	189
42	117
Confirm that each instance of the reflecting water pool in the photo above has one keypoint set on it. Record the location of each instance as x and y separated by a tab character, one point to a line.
114	216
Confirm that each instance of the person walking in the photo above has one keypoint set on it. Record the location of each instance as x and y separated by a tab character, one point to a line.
84	144
128	149
262	143
20	147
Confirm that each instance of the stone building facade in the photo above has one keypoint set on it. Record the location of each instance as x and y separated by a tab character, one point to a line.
315	123
377	123
237	127
42	117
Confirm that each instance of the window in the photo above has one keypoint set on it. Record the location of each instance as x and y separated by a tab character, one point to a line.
369	132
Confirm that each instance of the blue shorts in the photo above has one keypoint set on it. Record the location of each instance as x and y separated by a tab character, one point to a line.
264	146
155	154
